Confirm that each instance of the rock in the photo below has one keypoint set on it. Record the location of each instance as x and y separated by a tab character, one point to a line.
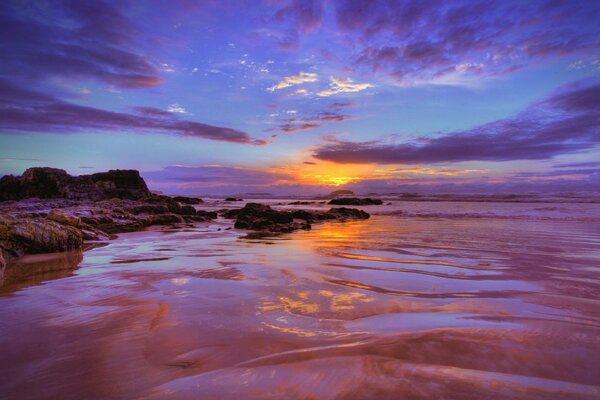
229	213
188	200
91	233
203	216
355	201
187	210
344	214
164	219
19	236
2	266
146	208
48	183
233	199
260	217
122	184
63	218
340	214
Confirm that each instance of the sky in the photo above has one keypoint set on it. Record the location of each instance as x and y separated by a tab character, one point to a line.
305	97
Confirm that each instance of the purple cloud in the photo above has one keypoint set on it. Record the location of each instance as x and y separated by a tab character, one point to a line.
420	40
300	17
566	121
72	39
317	120
26	110
579	164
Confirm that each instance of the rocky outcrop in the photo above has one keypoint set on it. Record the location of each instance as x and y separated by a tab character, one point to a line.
355	201
260	217
52	183
54	225
233	199
46	210
338	214
20	236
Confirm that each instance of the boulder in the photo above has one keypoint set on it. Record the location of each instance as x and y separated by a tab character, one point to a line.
229	213
164	219
260	217
188	200
339	214
233	199
355	201
344	214
19	236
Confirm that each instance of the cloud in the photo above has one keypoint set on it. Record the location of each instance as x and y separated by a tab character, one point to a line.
447	42
339	85
342	104
24	110
176	108
579	164
311	121
90	40
302	77
567	121
293	20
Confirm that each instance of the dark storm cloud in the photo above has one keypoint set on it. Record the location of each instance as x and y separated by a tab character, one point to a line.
566	121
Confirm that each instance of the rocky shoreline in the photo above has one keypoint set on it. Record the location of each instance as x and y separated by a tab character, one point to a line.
46	210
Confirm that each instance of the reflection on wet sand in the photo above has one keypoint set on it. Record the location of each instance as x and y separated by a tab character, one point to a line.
35	269
387	308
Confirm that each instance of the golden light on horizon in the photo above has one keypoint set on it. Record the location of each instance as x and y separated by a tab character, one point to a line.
330	174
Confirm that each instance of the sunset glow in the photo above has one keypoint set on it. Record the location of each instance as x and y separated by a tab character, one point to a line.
369	98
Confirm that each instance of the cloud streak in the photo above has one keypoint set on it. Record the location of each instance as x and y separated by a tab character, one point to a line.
26	110
316	120
302	77
566	121
340	85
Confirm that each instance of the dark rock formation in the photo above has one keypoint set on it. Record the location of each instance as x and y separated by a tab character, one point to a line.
355	201
46	210
51	183
339	214
229	213
188	200
260	217
233	199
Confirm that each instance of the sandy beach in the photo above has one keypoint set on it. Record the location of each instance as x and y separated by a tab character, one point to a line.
461	305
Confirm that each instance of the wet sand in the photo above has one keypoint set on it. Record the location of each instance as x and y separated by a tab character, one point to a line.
419	307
